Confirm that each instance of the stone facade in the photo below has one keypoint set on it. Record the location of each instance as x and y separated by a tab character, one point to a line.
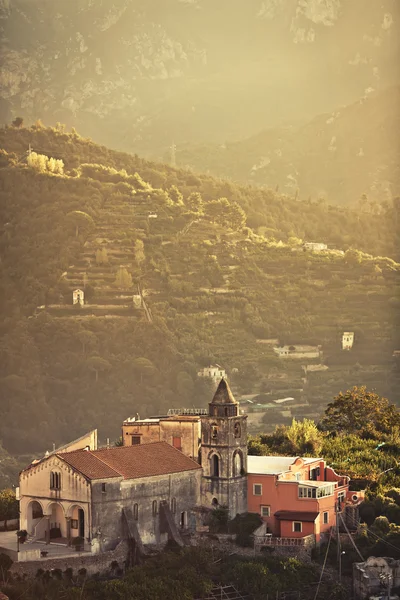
224	453
374	576
181	431
143	496
53	495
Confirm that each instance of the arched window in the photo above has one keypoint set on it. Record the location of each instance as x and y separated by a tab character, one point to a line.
214	502
237	464
136	512
154	508
55	480
214	431
215	465
237	430
173	505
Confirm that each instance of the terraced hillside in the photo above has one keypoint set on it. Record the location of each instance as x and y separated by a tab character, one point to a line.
173	281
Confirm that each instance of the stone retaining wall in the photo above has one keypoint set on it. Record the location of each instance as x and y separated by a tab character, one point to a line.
93	563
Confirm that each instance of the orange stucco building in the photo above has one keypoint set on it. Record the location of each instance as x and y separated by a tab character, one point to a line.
297	497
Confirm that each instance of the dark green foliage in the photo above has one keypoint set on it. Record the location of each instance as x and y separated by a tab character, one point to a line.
244	525
348	412
5	565
219	518
212	288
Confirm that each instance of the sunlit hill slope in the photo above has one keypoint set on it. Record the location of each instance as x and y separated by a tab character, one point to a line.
174	279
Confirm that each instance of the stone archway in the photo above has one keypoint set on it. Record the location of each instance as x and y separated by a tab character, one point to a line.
56	522
76	522
34	514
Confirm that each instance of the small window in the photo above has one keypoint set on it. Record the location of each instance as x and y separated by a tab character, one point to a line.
135	439
177	442
214	431
237	430
55	480
103	488
297	526
173	506
74	524
265	511
257	489
154	508
136	512
326	518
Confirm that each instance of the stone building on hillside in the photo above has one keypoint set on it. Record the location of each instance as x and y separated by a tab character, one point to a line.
78	297
347	340
213	372
224	453
377	575
147	492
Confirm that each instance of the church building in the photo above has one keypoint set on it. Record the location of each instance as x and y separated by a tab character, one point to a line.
150	489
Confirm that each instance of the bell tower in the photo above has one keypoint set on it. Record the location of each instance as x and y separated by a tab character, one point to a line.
224	453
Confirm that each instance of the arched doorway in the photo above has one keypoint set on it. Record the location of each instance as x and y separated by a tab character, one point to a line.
57	521
34	516
78	524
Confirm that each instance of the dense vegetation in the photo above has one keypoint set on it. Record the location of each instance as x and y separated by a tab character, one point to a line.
184	575
74	214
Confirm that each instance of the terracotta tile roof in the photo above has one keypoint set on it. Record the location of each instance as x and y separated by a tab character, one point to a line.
130	462
296	515
88	464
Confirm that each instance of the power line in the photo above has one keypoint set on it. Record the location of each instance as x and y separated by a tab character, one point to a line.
323	568
377	536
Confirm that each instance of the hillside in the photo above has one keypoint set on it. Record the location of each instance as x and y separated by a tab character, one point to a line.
337	156
173	281
140	75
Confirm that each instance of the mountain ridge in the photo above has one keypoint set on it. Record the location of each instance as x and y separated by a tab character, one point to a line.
336	156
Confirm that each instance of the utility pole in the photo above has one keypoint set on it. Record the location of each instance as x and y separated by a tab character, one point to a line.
339	550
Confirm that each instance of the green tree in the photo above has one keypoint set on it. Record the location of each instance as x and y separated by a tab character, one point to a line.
98	365
194	202
18	122
101	256
175	195
87	339
143	367
81	221
305	437
123	279
361	412
225	213
9	506
140	256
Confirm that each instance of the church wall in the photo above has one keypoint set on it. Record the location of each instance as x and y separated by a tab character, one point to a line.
107	505
187	429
